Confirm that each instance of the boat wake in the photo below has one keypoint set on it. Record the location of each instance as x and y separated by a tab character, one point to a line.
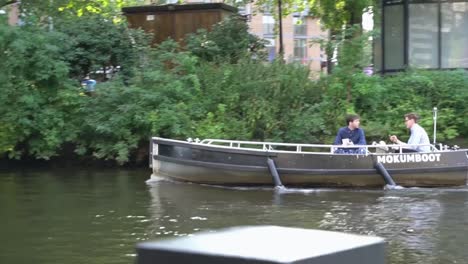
155	178
393	187
284	190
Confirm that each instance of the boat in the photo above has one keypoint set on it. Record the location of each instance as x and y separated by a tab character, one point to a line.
250	163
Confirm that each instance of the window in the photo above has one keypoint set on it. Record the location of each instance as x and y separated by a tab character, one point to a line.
377	43
267	8
271	48
268	25
393	39
454	35
428	34
300	26
423	35
300	49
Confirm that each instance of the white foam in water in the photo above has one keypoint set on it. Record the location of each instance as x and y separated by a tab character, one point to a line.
393	187
155	178
282	189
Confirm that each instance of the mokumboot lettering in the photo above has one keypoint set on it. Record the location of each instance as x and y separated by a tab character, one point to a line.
405	158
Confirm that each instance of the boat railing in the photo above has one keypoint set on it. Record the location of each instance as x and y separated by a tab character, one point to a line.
305	148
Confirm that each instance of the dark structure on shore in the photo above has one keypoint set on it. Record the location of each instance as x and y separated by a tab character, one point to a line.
264	245
175	21
426	34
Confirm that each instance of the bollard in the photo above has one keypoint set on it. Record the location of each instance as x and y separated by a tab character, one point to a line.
264	244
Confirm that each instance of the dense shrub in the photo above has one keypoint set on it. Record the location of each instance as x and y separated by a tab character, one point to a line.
36	99
118	118
94	44
178	94
228	41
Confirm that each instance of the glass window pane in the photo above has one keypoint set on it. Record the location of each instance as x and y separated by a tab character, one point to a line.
268	25
393	37
423	36
454	35
300	49
268	19
377	40
300	26
271	49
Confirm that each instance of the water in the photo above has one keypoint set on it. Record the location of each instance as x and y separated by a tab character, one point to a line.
98	216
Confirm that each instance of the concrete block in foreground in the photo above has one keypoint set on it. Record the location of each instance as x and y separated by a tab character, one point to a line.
264	244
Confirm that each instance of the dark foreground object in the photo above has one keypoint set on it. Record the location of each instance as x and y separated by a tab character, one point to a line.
265	244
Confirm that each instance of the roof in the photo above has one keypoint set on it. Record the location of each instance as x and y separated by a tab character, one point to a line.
173	7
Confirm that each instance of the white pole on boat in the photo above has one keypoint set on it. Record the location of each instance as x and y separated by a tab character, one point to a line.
434	116
385	175
274	173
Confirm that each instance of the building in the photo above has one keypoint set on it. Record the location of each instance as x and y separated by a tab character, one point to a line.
12	11
427	34
176	21
299	31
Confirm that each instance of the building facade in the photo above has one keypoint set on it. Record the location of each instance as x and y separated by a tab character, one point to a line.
427	34
12	12
299	32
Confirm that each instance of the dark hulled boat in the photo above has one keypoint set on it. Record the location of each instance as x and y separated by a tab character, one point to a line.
242	163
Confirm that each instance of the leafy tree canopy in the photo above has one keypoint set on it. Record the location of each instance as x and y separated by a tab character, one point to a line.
38	11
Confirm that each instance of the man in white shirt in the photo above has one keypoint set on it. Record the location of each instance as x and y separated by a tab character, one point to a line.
418	134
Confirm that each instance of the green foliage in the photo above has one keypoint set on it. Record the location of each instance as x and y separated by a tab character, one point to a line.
205	93
95	43
118	118
248	107
48	13
34	106
229	40
383	101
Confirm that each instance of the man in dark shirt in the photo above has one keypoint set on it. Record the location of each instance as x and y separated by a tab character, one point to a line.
351	135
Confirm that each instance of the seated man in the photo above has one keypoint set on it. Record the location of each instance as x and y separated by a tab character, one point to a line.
418	135
351	135
88	84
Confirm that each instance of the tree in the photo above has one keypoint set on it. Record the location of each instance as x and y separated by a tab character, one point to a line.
95	43
229	40
42	12
36	98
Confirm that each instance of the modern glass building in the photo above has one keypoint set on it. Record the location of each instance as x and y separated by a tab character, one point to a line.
428	34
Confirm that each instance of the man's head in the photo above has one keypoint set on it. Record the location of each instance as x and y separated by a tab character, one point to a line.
353	121
411	119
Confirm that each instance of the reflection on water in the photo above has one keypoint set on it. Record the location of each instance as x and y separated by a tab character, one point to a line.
99	216
415	222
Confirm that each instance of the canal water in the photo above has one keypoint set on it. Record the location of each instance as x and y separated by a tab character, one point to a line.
98	216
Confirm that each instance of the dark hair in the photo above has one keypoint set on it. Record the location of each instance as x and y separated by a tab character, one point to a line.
351	118
413	116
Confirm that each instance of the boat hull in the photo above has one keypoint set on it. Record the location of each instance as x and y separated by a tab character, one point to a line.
198	163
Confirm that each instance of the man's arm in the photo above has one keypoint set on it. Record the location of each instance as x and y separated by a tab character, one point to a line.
338	138
362	138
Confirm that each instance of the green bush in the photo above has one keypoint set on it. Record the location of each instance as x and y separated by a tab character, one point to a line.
228	41
257	101
94	43
119	118
36	100
179	94
383	101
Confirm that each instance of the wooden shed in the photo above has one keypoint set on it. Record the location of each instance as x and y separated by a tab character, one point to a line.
175	21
